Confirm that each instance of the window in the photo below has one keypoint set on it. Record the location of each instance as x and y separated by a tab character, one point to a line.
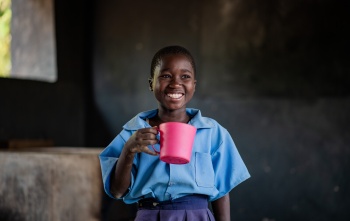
5	38
29	40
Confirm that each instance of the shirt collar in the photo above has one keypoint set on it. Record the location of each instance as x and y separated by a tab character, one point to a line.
197	120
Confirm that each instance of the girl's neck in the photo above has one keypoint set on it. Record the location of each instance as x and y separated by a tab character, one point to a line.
169	116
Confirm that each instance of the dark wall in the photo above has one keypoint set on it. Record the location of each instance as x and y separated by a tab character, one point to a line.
274	73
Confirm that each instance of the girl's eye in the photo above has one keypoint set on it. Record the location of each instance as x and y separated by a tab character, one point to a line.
186	76
165	76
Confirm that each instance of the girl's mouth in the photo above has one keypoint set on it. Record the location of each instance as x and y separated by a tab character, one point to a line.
175	96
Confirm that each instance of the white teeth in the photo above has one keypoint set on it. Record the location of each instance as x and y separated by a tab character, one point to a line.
175	95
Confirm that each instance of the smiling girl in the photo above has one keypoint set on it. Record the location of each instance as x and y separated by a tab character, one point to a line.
132	172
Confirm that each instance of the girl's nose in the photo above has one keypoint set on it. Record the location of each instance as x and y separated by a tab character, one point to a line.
175	82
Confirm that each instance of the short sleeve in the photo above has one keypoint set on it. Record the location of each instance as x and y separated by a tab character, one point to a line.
108	159
228	165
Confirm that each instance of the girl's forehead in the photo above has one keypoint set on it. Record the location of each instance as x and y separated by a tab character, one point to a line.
175	59
169	61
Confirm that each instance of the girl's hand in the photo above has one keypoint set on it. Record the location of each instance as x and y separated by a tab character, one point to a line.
141	139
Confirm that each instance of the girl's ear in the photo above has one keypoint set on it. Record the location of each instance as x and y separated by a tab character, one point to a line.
150	82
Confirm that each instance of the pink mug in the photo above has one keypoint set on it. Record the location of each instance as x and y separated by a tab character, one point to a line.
176	141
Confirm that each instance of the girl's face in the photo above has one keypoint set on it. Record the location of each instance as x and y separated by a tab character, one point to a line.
174	82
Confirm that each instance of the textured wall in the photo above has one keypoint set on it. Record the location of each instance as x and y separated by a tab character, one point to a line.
33	45
50	185
275	48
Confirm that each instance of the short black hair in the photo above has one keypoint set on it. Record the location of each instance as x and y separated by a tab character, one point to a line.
171	50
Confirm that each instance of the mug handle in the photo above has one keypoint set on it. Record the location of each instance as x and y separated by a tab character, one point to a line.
158	152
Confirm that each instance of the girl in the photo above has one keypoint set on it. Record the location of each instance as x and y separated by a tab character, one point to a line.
133	172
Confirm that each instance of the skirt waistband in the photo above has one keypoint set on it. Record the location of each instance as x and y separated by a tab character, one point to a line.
187	202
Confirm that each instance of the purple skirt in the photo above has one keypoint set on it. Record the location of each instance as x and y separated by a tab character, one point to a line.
190	208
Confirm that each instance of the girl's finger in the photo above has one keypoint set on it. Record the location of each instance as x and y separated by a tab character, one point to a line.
148	151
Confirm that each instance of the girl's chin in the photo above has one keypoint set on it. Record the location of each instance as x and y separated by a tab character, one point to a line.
173	107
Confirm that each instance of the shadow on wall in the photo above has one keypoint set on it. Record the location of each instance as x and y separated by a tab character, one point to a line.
117	210
7	214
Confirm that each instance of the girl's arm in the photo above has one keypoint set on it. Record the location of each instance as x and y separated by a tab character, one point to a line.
221	208
120	179
137	143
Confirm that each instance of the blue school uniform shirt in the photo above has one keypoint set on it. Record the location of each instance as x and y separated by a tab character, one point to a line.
215	168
